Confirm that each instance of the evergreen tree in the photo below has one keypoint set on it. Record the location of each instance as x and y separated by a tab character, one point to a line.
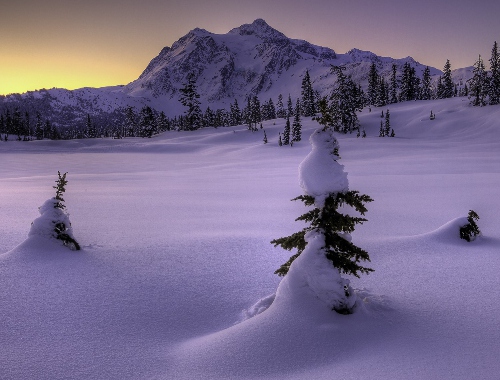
289	107
381	130
382	93
447	82
394	85
280	108
328	224
189	98
494	83
478	84
38	127
387	124
470	231
345	101
265	138
147	122
54	221
17	123
90	128
130	126
27	127
280	142
255	114
373	84
286	132
235	114
297	125
409	84
307	94
426	89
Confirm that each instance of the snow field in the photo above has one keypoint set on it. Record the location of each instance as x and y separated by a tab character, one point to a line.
175	234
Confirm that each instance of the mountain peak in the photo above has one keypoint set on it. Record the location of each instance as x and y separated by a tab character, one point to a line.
259	28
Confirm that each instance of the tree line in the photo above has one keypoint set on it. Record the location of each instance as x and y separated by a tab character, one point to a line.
340	107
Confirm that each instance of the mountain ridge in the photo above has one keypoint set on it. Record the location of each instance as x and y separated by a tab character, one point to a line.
252	59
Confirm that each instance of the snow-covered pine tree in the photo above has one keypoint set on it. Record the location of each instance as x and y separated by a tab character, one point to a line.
426	89
286	132
345	101
54	220
130	125
297	125
147	122
394	85
39	127
448	87
324	247
387	124
307	96
235	114
470	231
373	84
189	98
381	132
494	87
280	108
289	107
382	93
409	84
478	84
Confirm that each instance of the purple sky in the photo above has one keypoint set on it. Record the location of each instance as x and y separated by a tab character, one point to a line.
56	43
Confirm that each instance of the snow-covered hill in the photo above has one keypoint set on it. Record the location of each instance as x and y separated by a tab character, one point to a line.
175	257
253	59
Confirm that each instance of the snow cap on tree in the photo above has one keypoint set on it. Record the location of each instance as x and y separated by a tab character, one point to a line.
53	222
320	174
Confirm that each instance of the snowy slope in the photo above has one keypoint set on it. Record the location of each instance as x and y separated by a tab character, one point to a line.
175	233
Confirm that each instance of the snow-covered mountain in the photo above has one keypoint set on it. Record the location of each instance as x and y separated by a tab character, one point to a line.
253	59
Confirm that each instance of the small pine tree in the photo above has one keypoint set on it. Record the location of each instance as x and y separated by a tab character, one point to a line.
387	126
265	138
381	131
280	142
470	231
286	132
54	221
327	222
297	125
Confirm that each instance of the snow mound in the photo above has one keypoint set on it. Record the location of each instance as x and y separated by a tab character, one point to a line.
313	275
448	233
320	174
54	223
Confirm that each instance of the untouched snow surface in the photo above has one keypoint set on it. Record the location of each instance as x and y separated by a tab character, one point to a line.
175	256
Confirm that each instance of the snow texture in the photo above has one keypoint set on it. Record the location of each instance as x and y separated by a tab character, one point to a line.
176	232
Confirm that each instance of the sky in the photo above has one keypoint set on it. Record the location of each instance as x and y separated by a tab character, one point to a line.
97	43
